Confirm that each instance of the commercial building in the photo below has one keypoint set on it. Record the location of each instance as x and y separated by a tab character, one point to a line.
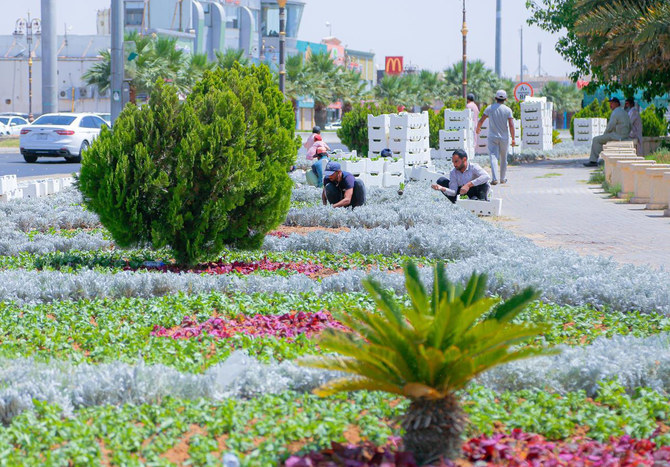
200	26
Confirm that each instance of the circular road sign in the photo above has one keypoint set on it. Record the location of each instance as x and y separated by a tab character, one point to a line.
523	90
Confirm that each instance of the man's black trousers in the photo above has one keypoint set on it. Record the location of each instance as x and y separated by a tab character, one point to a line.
479	192
335	195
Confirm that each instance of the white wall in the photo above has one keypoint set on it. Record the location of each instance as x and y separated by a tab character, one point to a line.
14	86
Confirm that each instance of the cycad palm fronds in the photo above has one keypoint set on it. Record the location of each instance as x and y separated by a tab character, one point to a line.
430	349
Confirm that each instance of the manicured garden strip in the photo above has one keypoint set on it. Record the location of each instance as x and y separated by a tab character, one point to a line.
267	429
103	331
119	259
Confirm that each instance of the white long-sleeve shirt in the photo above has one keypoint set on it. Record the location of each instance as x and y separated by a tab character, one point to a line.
474	173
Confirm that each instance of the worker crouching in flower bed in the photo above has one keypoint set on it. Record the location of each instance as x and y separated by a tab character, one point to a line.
341	189
466	178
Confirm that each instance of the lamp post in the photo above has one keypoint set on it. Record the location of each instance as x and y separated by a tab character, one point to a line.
282	44
464	30
29	27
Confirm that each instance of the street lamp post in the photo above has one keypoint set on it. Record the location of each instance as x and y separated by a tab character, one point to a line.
464	30
29	27
282	45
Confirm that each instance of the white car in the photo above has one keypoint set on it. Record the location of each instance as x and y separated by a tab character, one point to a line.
13	124
60	135
333	126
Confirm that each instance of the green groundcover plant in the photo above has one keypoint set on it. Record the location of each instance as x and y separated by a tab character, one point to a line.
197	175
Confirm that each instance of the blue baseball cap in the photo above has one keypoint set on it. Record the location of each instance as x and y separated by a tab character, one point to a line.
331	168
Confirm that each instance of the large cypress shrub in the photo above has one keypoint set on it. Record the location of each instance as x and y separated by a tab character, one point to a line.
200	174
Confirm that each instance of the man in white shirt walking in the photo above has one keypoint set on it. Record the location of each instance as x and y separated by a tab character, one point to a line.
501	119
466	178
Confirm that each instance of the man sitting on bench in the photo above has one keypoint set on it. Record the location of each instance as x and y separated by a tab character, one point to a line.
466	178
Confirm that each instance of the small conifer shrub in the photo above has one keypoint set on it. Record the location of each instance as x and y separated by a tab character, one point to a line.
196	175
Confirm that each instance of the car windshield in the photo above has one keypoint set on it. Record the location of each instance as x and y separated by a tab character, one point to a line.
54	120
4	120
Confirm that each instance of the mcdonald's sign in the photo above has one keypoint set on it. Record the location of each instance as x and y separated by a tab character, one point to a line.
393	66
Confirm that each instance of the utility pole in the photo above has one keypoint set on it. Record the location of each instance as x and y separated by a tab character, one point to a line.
117	58
282	44
498	37
29	27
521	53
49	58
464	30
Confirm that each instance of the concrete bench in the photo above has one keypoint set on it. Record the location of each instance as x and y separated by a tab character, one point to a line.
619	144
616	175
642	181
659	188
628	175
609	163
666	182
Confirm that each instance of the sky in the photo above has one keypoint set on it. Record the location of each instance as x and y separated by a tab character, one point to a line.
426	32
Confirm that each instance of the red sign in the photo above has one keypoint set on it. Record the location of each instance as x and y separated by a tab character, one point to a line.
393	66
523	90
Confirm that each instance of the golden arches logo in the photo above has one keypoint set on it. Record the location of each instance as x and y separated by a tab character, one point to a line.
394	65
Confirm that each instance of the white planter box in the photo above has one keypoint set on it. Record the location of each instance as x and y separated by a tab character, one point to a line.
355	167
378	146
380	121
417	159
390	180
394	168
492	207
409	120
8	183
375	167
409	134
378	134
372	179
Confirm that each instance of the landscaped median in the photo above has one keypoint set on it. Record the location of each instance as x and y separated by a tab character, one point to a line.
118	356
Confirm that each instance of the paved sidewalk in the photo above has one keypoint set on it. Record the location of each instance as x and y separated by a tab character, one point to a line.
551	203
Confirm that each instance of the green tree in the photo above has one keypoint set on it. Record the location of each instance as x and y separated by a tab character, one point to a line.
426	352
566	98
482	81
653	124
197	175
226	60
354	130
621	44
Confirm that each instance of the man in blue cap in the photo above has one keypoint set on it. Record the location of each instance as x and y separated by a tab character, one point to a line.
341	189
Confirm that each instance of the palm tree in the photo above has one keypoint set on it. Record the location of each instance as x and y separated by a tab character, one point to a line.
631	39
566	98
482	81
392	90
227	59
426	352
100	73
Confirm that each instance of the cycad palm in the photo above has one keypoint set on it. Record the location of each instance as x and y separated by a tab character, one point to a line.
426	352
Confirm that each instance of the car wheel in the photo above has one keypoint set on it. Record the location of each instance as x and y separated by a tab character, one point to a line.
30	158
84	147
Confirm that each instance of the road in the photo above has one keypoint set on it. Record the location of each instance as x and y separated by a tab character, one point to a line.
13	163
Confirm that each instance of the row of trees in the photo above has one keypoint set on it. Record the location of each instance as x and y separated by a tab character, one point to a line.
621	44
160	58
318	78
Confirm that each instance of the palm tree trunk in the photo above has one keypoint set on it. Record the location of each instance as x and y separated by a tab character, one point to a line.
320	115
433	429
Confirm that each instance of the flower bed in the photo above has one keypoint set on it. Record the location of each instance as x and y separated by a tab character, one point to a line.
288	325
100	365
516	448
